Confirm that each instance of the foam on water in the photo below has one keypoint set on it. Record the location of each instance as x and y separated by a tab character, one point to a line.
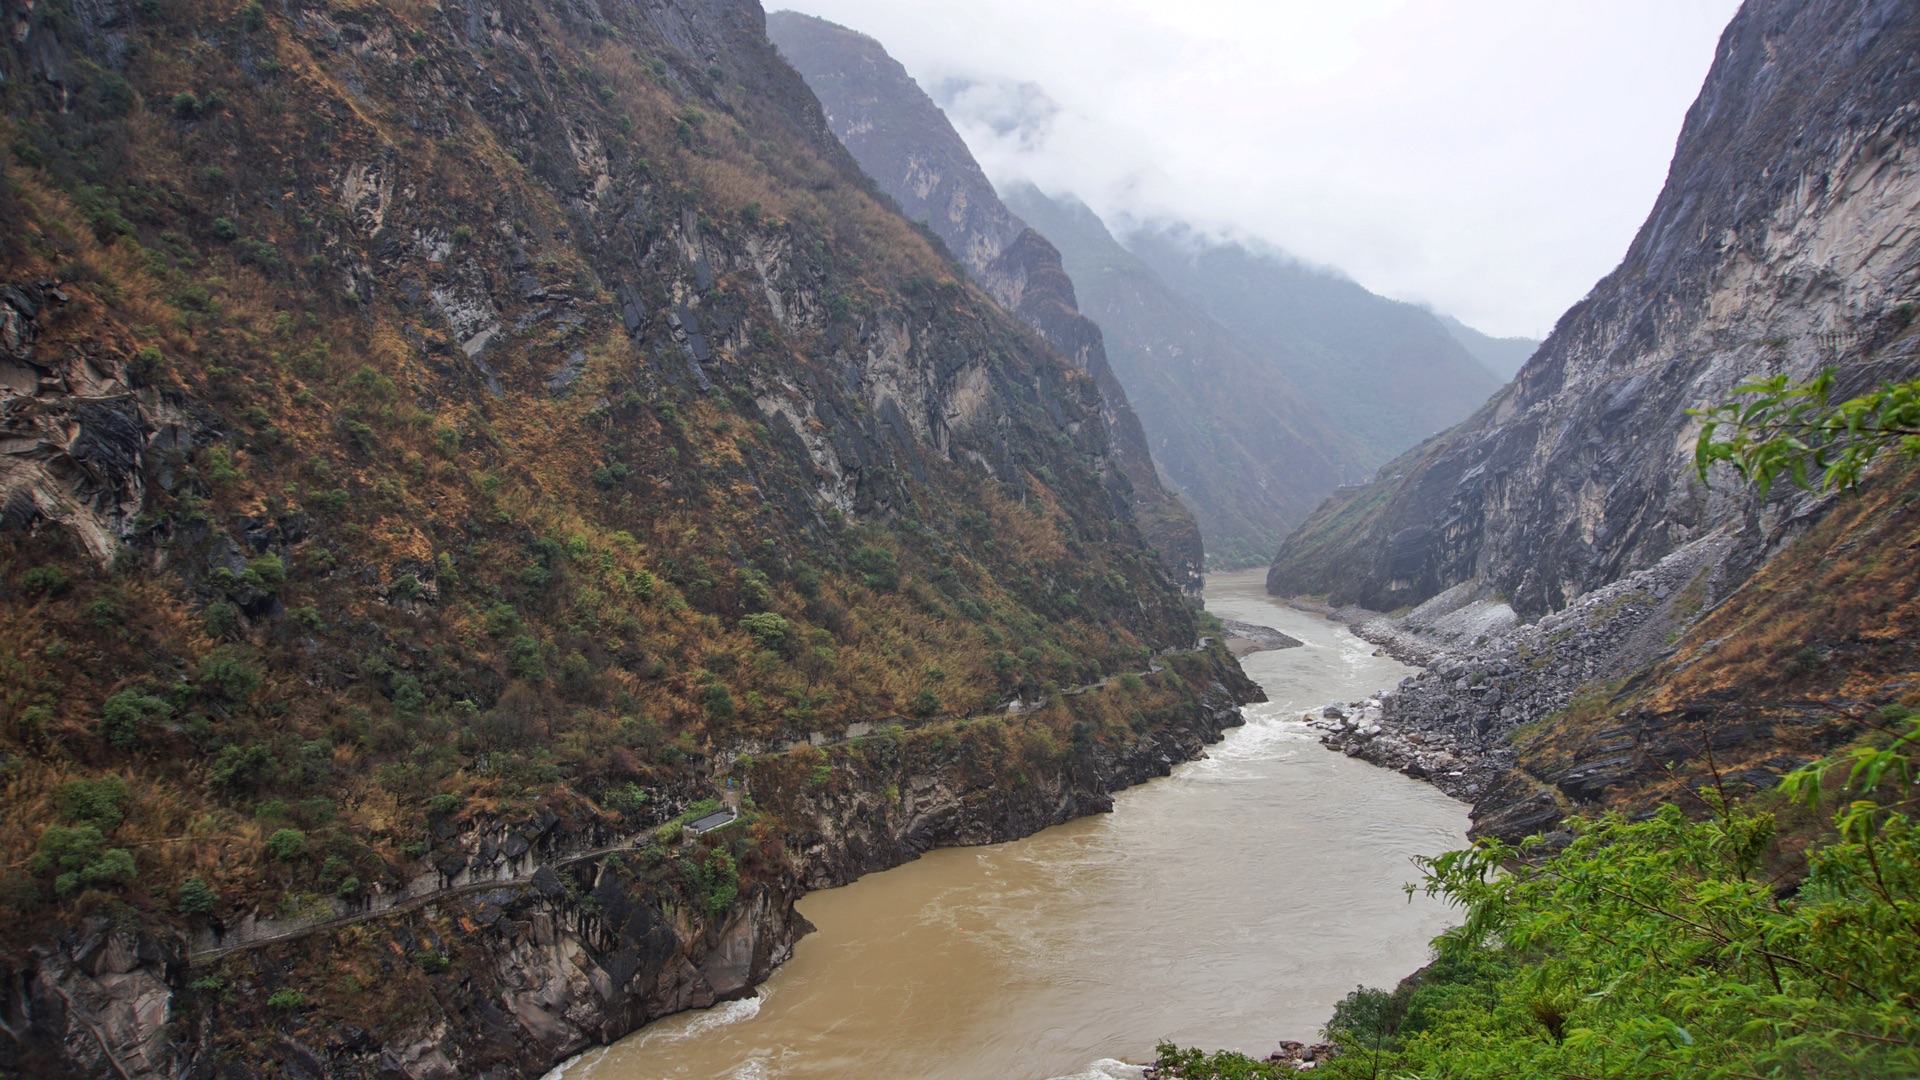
1108	1069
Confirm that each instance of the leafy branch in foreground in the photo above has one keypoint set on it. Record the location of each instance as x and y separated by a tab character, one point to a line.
1661	948
1776	425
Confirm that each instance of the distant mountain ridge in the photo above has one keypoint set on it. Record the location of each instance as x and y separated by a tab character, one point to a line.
1385	371
1501	355
1243	446
1258	384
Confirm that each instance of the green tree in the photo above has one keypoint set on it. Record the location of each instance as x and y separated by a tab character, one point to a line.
879	568
195	897
100	802
287	844
126	712
1777	426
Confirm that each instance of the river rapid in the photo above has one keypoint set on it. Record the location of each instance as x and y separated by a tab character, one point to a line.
1228	905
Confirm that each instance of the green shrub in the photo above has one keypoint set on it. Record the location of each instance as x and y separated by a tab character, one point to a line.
719	881
627	801
43	581
228	675
286	999
242	768
224	228
107	611
266	573
195	897
408	697
1172	1061
100	802
332	501
79	859
287	844
524	658
878	568
924	703
124	713
717	701
767	628
222	618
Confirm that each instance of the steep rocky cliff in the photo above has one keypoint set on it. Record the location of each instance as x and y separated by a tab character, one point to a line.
903	140
1240	443
1783	241
484	489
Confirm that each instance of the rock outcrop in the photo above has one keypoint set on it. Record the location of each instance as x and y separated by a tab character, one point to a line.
903	140
1784	240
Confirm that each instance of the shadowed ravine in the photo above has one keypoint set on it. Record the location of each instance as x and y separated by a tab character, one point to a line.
1228	905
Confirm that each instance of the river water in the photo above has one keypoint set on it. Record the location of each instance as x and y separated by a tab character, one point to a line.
1228	905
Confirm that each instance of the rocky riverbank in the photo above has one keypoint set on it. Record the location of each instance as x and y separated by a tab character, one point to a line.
1487	676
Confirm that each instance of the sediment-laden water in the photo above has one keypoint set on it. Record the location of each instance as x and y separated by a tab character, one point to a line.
1228	905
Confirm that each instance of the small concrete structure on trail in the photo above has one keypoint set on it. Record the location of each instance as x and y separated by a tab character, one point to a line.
713	821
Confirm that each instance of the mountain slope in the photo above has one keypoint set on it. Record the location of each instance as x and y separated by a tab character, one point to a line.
1385	372
1234	437
1501	355
1783	241
446	451
903	140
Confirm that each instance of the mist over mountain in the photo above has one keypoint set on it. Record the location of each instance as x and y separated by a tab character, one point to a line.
1384	371
1260	384
1244	447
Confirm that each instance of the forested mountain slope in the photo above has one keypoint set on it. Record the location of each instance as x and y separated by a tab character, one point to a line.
443	449
1501	355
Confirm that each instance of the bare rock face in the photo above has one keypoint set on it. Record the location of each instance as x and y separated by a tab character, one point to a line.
903	140
1787	239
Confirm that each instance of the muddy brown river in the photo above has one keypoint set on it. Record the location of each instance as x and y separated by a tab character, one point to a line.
1228	905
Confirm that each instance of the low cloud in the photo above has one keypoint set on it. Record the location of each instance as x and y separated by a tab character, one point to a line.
1490	158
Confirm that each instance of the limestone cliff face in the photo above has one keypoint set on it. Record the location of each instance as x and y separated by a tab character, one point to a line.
903	140
1786	239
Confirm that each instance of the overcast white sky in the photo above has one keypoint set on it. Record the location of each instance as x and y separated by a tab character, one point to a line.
1491	158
